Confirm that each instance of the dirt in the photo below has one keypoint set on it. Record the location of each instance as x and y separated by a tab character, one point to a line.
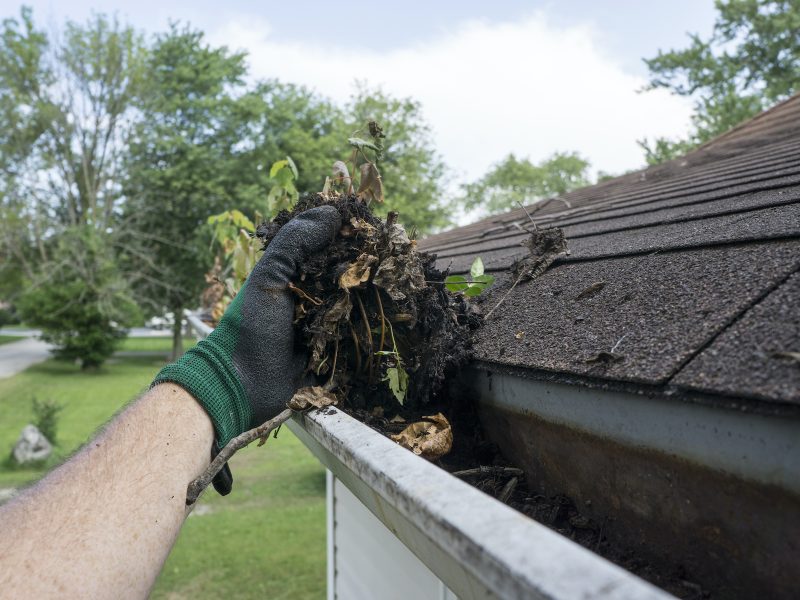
373	313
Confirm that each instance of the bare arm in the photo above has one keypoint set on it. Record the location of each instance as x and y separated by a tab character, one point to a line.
102	524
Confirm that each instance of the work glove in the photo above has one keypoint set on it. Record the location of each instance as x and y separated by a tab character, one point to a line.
246	370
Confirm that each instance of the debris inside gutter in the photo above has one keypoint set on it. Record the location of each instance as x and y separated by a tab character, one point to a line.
371	305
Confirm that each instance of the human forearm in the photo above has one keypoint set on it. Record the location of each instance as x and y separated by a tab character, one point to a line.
102	524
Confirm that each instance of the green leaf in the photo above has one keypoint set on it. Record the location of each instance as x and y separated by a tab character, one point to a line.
456	283
476	270
473	290
398	382
361	144
276	167
293	167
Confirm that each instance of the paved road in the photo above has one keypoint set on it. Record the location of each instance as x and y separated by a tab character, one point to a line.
18	356
136	332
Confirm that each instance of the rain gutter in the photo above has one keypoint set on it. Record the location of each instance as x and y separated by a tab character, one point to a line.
479	547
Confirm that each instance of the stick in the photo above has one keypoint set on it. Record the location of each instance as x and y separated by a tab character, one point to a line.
383	318
508	490
197	486
489	471
503	299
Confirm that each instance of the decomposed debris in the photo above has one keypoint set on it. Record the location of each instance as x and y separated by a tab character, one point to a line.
591	290
519	335
430	438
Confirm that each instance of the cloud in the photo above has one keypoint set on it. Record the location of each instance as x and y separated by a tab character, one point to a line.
488	89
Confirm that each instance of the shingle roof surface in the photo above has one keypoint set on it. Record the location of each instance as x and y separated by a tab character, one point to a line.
695	257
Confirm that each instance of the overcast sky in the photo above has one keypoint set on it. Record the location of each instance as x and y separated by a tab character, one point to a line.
493	77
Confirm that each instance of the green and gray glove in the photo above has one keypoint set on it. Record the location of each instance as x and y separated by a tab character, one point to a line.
246	370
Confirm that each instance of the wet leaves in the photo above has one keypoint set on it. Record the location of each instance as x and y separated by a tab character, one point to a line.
430	438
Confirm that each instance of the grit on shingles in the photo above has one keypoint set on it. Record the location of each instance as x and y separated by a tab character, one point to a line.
691	255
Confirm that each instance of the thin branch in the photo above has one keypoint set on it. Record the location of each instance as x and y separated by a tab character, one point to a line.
197	486
503	299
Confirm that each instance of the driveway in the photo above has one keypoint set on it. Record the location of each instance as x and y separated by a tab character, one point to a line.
18	356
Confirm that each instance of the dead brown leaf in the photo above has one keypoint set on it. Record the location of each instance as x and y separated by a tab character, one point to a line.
430	438
371	187
358	272
311	397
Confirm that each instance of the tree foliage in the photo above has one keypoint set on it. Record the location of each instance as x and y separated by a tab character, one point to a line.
183	165
65	107
750	61
79	299
515	181
412	171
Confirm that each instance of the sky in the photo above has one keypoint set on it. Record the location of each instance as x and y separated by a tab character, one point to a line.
531	78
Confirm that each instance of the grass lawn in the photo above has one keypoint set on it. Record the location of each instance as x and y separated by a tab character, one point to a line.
266	539
7	339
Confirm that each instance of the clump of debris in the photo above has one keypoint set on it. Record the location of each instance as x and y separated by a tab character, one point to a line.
373	313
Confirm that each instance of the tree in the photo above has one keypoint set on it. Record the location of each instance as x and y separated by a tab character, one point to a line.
412	171
80	301
750	62
515	181
188	159
64	108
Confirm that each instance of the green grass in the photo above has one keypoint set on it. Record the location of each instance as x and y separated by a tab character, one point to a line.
151	344
7	339
266	539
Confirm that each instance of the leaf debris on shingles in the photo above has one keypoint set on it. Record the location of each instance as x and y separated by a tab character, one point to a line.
592	290
544	245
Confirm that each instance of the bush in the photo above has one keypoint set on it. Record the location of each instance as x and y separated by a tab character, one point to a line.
45	417
79	301
8	316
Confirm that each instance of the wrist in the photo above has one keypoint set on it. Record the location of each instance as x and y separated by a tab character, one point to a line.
207	372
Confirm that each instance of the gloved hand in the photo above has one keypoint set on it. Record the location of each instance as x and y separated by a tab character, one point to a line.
246	370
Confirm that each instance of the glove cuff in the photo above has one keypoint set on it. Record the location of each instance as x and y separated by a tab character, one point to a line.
207	373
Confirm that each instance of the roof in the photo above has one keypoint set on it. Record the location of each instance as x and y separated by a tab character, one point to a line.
687	270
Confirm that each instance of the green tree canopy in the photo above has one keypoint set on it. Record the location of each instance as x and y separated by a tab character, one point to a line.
184	165
65	107
515	181
412	171
750	61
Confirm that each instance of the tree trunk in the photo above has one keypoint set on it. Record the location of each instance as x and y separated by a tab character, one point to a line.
177	334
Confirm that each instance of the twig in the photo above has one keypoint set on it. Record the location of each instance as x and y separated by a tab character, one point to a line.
619	341
508	490
358	350
304	295
484	470
333	368
383	317
197	486
535	228
367	332
503	299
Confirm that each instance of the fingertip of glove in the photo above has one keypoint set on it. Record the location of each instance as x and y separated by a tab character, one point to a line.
324	214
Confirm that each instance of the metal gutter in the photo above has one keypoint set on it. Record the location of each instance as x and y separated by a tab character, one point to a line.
201	329
753	447
479	547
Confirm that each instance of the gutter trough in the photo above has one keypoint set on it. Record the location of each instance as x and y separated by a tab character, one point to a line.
706	490
479	547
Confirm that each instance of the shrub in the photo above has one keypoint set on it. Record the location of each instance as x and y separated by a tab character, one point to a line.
45	417
79	301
